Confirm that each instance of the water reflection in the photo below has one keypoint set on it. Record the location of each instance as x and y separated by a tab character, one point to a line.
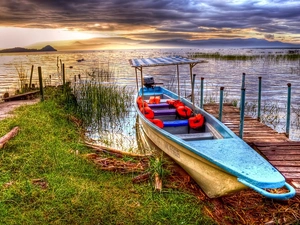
119	134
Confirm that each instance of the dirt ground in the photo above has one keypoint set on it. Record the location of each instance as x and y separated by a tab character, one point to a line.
6	108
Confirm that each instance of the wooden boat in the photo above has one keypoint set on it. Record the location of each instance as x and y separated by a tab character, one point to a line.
217	159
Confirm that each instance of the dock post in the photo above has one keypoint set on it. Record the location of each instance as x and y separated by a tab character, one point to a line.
242	112
75	80
259	98
201	98
243	80
41	83
30	81
63	74
221	103
288	113
243	86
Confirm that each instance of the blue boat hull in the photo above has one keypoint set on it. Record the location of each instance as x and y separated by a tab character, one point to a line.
218	160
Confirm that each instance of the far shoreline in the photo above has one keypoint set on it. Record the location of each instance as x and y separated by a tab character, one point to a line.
47	48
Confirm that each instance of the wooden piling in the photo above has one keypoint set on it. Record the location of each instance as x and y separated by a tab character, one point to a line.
201	97
242	113
259	98
41	83
221	103
31	74
288	113
63	75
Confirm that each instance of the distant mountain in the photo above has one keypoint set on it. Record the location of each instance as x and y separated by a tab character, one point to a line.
223	43
47	48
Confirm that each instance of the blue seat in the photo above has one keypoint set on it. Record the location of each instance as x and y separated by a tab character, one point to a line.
164	112
159	105
176	123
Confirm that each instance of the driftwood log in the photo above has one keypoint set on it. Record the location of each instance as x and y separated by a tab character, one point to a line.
8	136
104	162
113	151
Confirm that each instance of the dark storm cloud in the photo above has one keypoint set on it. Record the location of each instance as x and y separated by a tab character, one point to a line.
68	13
164	15
267	18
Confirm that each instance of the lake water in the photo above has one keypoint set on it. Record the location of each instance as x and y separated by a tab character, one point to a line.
227	73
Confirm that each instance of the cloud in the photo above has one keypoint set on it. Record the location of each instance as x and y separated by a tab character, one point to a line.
269	36
160	19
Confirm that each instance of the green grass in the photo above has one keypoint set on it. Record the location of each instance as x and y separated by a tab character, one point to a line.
74	190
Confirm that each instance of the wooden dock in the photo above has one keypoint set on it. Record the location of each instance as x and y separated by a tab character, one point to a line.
281	152
23	96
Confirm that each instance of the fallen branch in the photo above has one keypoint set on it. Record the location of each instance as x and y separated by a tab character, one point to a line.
115	152
8	136
112	164
141	178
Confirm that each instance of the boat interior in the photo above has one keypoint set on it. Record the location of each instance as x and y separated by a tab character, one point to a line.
177	125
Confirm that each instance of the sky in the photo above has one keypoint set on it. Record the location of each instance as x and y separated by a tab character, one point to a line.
100	24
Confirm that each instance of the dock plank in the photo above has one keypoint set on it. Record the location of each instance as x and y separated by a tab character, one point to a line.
290	157
27	95
291	175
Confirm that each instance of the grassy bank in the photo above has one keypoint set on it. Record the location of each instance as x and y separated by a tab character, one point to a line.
45	178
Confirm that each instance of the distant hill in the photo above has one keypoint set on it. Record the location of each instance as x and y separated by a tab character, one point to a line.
223	43
47	48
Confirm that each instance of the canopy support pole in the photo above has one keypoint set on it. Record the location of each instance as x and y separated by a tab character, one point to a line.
191	74
192	81
136	79
141	69
177	66
193	89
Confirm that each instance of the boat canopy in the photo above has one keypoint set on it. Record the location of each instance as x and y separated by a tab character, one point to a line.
140	63
163	61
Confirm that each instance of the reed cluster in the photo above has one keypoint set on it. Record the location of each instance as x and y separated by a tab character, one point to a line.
102	73
101	105
217	55
22	74
272	114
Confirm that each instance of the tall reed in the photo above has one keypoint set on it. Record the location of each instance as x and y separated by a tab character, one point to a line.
102	105
22	73
102	73
272	114
217	55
